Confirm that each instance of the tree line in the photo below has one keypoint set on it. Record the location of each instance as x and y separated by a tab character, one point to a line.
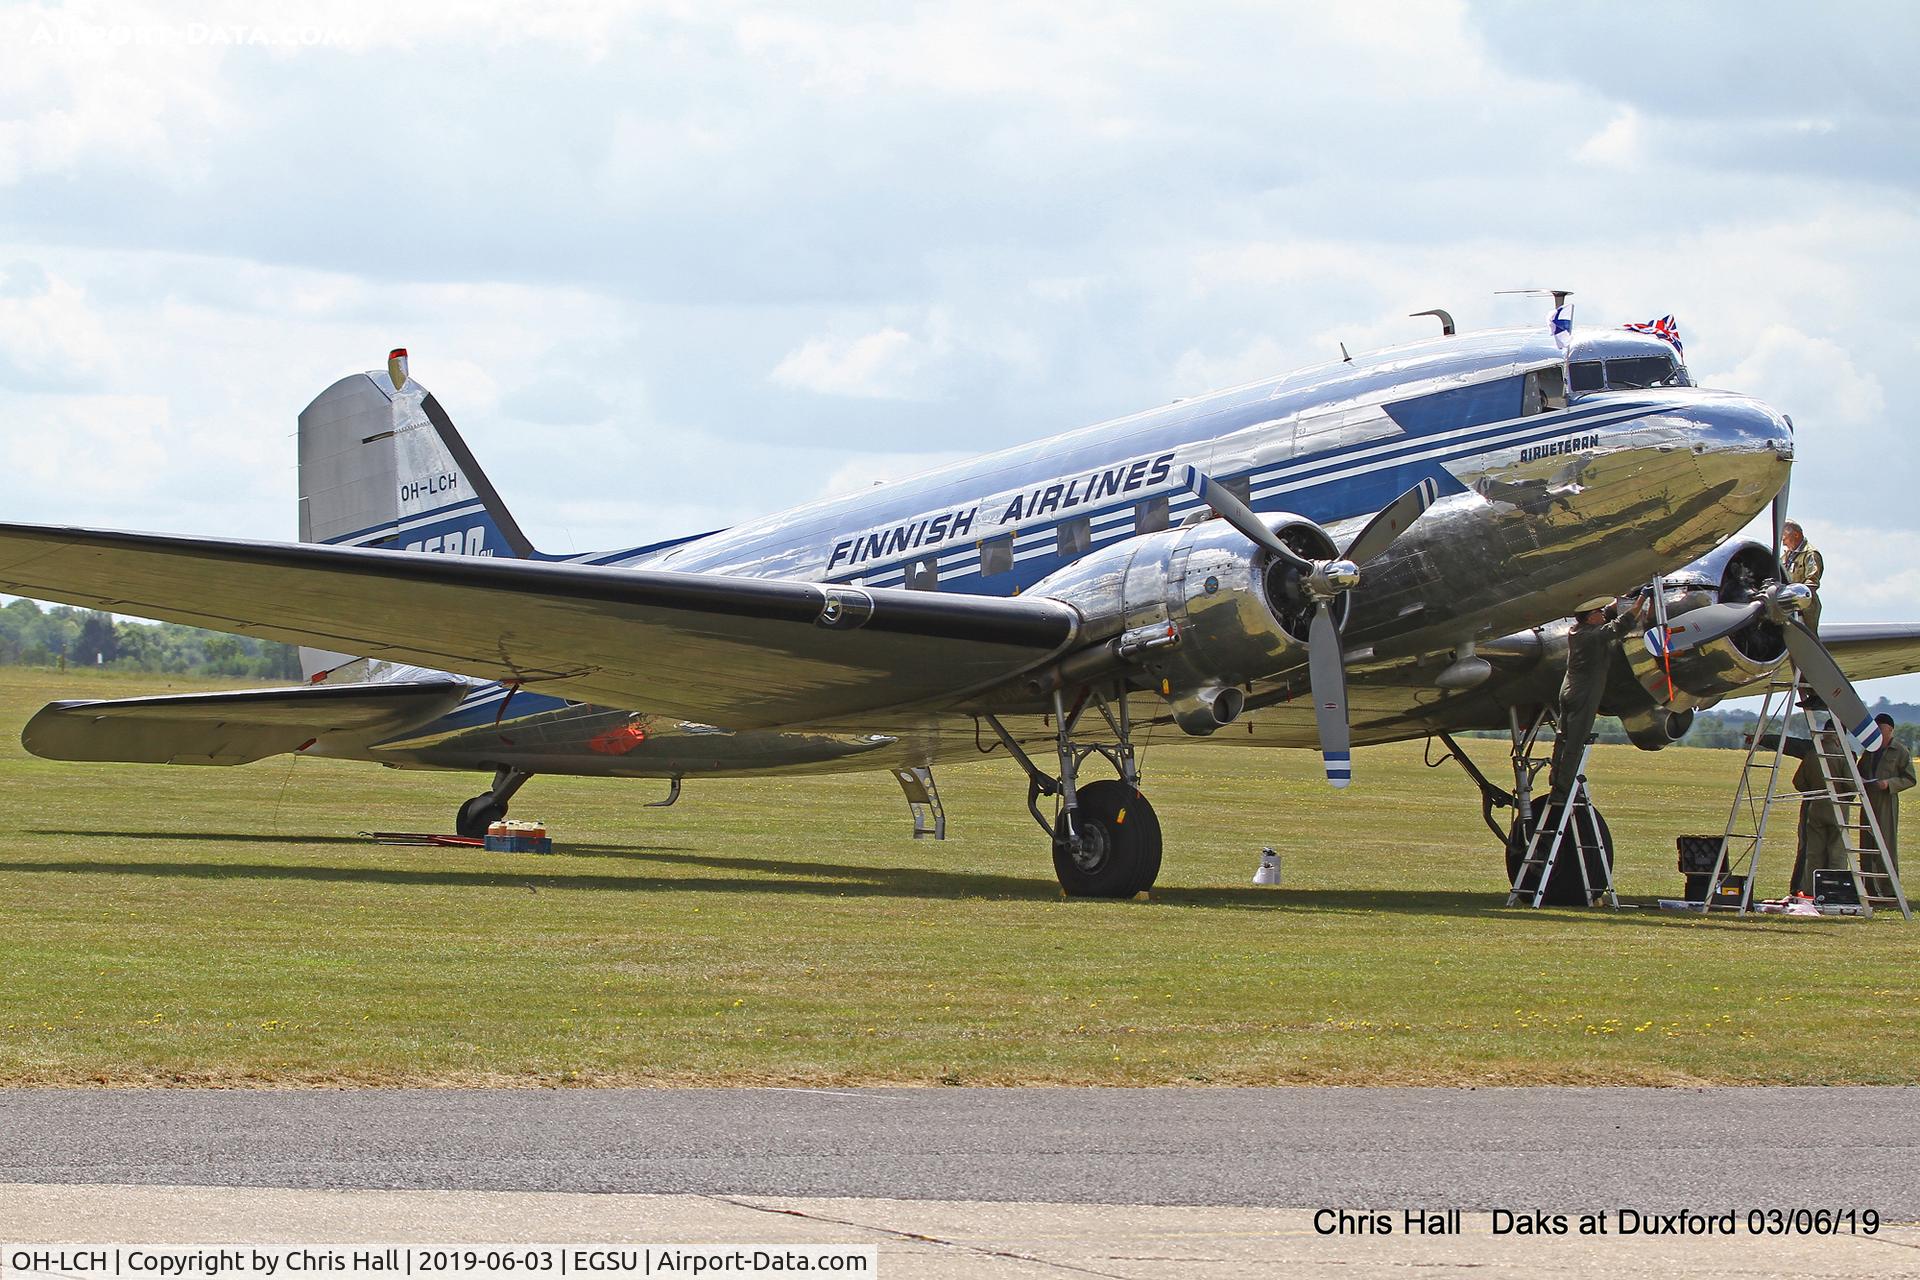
60	636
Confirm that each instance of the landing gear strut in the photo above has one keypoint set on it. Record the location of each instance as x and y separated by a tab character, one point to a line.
1106	837
487	808
1565	888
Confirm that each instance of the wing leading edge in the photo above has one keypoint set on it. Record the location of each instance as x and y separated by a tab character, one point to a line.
739	652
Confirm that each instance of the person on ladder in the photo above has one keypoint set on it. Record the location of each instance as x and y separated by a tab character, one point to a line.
1803	565
1591	645
1886	773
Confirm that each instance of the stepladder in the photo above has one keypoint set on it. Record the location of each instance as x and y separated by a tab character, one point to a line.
1562	831
1835	828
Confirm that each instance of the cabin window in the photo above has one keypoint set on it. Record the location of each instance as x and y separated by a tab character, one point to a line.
1240	487
1074	537
923	575
1150	516
996	555
1546	391
1587	376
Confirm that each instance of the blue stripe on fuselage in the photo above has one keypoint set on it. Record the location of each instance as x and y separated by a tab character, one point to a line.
1326	486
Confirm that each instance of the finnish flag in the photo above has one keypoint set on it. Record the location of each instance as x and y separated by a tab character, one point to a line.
1563	327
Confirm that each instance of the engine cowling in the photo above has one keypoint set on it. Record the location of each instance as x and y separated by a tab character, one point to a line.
1199	610
1734	574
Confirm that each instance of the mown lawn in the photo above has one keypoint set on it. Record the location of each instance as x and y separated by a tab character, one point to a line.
228	926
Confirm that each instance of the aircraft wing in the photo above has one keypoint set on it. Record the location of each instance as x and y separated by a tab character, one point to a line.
232	727
740	652
1869	650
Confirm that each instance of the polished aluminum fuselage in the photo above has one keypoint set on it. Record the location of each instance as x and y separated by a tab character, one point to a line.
1542	506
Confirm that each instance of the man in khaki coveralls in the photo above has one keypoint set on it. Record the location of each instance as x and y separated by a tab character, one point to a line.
1820	840
1803	565
1887	772
1591	645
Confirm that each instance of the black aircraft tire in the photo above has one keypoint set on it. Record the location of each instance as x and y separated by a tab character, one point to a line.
1563	890
477	814
1121	851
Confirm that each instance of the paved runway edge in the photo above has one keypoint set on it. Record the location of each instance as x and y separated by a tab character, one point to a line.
1478	1149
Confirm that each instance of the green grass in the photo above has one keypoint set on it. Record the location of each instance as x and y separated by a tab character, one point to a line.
227	926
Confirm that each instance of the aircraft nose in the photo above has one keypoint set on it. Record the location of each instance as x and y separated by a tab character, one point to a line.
1743	448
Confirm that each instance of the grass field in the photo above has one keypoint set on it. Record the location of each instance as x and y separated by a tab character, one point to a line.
228	926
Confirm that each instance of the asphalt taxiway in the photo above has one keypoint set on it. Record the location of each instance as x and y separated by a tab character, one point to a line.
1136	1183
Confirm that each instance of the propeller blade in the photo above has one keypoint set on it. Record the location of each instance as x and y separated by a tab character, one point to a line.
1392	522
1240	516
1780	518
1824	675
1327	674
1700	626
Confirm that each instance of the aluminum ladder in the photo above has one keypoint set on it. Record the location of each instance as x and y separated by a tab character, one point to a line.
1578	801
1876	880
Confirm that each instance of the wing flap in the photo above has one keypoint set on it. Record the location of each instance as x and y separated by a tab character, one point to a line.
742	652
231	727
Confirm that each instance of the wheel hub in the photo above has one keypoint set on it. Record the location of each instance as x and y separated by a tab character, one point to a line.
1088	848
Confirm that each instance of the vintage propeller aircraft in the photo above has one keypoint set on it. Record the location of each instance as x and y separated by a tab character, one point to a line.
1374	549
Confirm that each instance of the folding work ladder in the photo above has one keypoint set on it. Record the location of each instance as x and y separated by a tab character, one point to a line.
1789	701
1576	826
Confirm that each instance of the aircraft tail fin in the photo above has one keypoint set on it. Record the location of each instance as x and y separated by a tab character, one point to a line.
384	467
381	465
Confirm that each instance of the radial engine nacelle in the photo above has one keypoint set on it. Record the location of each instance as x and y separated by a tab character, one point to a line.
1199	611
1736	573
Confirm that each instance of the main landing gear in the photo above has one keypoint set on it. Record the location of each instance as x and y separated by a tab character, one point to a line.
487	808
1565	888
1106	837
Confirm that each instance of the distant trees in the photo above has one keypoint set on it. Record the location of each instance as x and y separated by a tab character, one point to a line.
36	637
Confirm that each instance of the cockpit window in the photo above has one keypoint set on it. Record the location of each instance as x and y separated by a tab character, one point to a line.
1635	372
1629	373
1546	390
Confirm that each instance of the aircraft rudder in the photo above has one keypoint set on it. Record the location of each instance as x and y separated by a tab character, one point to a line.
382	466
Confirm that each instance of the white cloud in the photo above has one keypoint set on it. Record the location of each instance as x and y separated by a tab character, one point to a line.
49	332
1200	371
1813	378
878	365
865	470
92	448
1620	145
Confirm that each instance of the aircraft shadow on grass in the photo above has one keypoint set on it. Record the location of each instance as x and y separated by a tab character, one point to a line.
804	877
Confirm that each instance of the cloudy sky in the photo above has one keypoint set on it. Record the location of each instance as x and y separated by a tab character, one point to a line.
669	266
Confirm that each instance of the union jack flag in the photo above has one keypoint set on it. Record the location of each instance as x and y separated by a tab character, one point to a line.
1665	327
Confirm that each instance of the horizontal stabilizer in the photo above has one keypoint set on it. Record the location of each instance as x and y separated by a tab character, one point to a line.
235	727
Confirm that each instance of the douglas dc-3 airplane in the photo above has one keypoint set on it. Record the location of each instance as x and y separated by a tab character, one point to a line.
1399	537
